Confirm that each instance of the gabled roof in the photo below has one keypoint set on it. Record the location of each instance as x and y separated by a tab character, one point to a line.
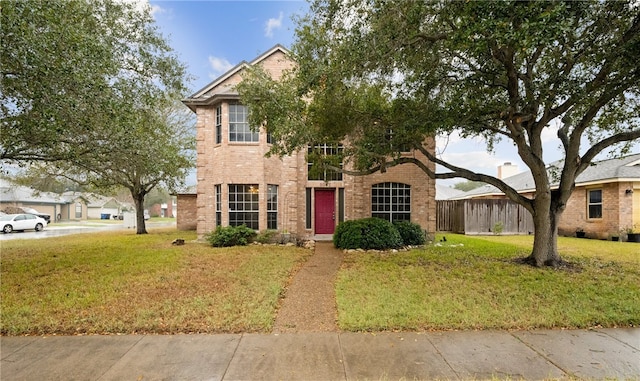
93	200
625	168
205	95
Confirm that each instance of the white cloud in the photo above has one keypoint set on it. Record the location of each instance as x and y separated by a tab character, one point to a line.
144	5
156	10
478	161
550	133
219	66
273	24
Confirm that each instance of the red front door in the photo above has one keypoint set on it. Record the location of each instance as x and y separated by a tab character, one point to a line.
325	206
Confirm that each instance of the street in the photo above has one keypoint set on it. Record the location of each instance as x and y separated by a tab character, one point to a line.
58	229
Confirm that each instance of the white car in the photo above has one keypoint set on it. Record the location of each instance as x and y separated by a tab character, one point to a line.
11	222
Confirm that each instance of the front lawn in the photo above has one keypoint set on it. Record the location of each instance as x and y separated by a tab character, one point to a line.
119	282
473	283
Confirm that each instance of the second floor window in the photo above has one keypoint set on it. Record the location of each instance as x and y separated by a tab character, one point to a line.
219	124
332	153
239	130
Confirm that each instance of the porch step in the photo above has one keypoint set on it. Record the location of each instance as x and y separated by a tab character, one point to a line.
323	237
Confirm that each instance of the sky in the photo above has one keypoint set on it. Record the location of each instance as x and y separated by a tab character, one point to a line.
213	36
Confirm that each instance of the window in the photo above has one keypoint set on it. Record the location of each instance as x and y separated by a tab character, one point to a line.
595	203
392	138
332	152
218	205
219	124
78	210
269	137
308	208
239	130
340	205
243	205
391	201
272	207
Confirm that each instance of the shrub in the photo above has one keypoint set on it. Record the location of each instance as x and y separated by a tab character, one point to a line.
230	236
410	233
367	233
266	236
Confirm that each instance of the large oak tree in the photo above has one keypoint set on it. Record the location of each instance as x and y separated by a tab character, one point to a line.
371	72
89	86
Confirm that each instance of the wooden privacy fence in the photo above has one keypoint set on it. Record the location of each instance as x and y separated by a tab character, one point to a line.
483	217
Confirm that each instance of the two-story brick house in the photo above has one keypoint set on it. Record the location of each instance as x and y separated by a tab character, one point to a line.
237	184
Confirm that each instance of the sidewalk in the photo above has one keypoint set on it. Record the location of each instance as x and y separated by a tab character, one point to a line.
531	355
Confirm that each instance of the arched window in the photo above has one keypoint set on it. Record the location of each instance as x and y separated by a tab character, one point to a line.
391	201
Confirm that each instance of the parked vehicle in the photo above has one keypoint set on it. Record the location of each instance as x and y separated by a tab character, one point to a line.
36	213
12	222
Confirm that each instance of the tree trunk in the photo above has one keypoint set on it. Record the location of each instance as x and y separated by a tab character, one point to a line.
545	241
140	223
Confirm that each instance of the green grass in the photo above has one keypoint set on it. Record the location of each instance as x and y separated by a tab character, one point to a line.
119	282
125	283
473	283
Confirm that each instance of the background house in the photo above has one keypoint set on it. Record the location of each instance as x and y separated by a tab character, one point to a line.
605	201
238	185
76	207
83	205
18	196
101	206
166	209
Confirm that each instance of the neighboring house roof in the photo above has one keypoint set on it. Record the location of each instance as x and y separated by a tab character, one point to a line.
11	192
625	168
445	193
213	90
190	190
93	200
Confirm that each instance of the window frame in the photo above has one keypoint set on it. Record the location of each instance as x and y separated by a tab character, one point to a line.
326	150
239	125
78	210
219	124
244	205
594	206
218	195
272	207
391	201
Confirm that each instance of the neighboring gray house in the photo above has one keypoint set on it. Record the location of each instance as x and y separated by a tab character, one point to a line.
95	206
18	196
446	193
605	201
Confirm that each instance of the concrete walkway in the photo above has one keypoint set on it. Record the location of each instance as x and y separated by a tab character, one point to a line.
309	303
531	355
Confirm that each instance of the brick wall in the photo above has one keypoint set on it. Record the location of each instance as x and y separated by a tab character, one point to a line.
245	163
617	211
187	218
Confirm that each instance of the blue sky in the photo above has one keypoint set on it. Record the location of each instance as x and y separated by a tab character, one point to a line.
213	36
